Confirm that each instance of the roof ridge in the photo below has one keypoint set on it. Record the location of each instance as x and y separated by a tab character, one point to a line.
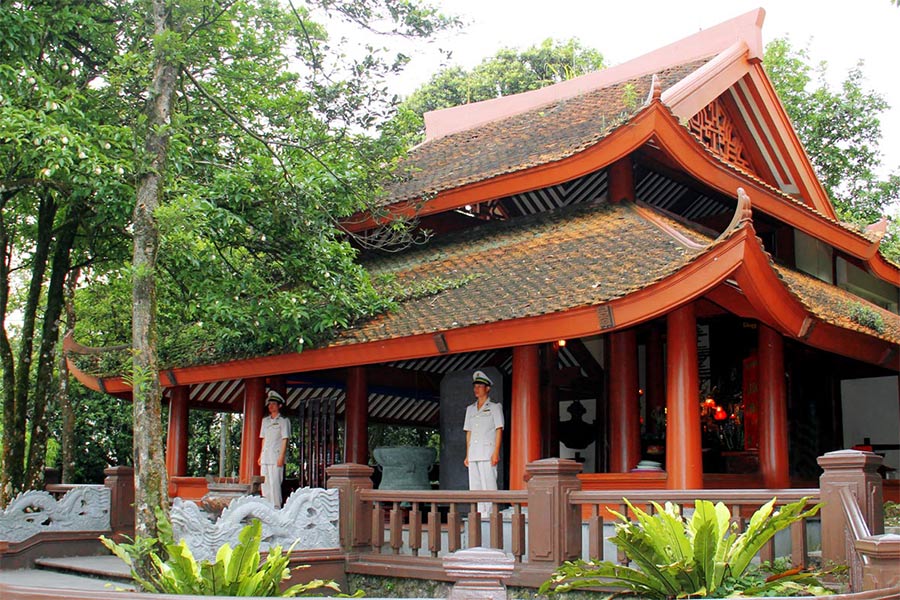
703	44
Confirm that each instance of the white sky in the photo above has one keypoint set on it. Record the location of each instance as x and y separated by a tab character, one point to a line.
839	32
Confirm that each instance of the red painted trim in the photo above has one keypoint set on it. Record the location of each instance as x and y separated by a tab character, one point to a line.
762	291
624	409
525	413
658	123
684	457
693	93
618	144
760	166
748	100
786	138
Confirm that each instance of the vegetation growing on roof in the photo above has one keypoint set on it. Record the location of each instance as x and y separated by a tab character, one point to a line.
423	288
866	316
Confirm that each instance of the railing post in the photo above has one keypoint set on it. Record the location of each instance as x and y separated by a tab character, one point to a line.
880	570
355	522
120	481
856	471
478	573
554	525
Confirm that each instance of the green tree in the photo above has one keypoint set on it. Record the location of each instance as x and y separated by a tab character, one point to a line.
62	163
253	140
841	132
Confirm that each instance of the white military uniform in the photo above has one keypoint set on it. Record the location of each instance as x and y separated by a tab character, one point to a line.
482	425
272	432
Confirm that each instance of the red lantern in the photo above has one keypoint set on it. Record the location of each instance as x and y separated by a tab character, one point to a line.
720	415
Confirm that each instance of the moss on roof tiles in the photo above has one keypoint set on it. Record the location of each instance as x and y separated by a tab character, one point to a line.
543	135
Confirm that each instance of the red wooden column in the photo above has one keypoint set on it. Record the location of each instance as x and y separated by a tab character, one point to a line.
251	445
624	410
773	429
525	417
656	382
621	180
684	458
177	438
550	405
356	417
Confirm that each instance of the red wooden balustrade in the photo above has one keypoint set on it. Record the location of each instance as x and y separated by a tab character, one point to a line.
396	531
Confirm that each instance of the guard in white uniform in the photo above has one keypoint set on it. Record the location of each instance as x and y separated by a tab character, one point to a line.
275	432
484	434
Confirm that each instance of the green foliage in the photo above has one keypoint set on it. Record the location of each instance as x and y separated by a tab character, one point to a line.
866	316
703	556
275	137
841	131
891	514
235	572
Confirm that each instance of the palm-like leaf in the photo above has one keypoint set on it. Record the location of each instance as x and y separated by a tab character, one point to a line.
678	558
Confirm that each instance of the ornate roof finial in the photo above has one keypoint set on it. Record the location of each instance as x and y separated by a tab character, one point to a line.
655	88
744	207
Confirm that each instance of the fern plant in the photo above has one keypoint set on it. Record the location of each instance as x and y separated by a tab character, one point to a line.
700	557
235	572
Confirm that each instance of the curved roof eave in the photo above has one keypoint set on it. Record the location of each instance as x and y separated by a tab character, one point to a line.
657	122
689	283
685	150
736	256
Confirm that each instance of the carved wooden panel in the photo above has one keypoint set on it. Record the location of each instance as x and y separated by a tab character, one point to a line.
715	129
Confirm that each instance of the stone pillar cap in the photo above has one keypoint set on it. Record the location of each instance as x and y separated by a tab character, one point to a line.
846	459
546	466
479	563
349	470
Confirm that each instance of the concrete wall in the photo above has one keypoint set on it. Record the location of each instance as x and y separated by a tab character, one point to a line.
456	395
871	409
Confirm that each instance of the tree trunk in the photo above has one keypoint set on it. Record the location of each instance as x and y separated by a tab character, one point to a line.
14	428
7	363
65	402
43	379
149	461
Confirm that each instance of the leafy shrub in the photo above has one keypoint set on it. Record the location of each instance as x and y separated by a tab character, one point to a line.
891	514
235	572
699	557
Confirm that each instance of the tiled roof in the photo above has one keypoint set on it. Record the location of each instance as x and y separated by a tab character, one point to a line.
556	261
832	305
540	136
531	266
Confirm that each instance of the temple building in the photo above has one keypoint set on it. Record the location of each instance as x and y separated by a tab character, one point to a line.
644	261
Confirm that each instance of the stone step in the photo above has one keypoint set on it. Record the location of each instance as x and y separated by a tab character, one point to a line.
109	568
44	579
